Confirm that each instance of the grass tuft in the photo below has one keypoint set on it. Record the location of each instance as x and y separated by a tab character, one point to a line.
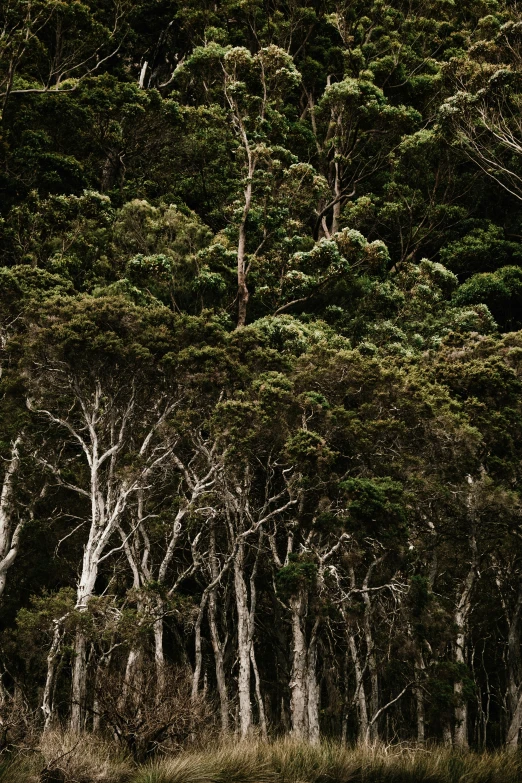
93	760
286	761
17	771
85	759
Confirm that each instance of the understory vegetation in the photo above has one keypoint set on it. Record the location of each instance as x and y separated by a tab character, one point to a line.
63	757
261	390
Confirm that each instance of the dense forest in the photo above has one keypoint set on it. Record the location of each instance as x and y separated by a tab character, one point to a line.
261	370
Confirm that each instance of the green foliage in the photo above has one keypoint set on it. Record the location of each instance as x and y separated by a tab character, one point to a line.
375	505
501	291
298	575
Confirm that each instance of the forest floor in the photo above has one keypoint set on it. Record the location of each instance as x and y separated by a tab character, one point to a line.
91	760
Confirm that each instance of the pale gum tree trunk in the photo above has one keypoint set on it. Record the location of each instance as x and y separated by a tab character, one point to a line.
252	617
214	635
313	690
242	271
371	663
244	644
198	653
515	725
9	539
461	617
514	672
418	692
447	737
159	657
360	695
336	209
196	488
298	683
52	656
78	682
104	520
133	657
108	496
419	698
242	288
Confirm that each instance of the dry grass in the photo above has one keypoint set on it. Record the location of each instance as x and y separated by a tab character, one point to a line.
18	771
226	764
285	761
91	760
85	759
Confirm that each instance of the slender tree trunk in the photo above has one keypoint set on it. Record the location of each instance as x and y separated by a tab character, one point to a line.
461	710
198	657
514	687
419	697
336	209
447	737
79	676
298	684
461	616
244	642
159	658
9	541
313	690
515	725
242	289
360	695
47	699
259	696
79	666
372	667
128	690
218	658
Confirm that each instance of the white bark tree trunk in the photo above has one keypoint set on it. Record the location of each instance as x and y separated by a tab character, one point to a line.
371	663
159	658
419	699
360	695
462	611
313	691
514	688
298	683
47	699
515	725
9	539
78	682
214	635
244	643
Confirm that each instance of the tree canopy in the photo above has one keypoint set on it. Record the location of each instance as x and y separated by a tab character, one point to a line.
261	370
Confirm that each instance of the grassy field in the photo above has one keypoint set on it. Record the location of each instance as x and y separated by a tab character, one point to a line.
89	760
